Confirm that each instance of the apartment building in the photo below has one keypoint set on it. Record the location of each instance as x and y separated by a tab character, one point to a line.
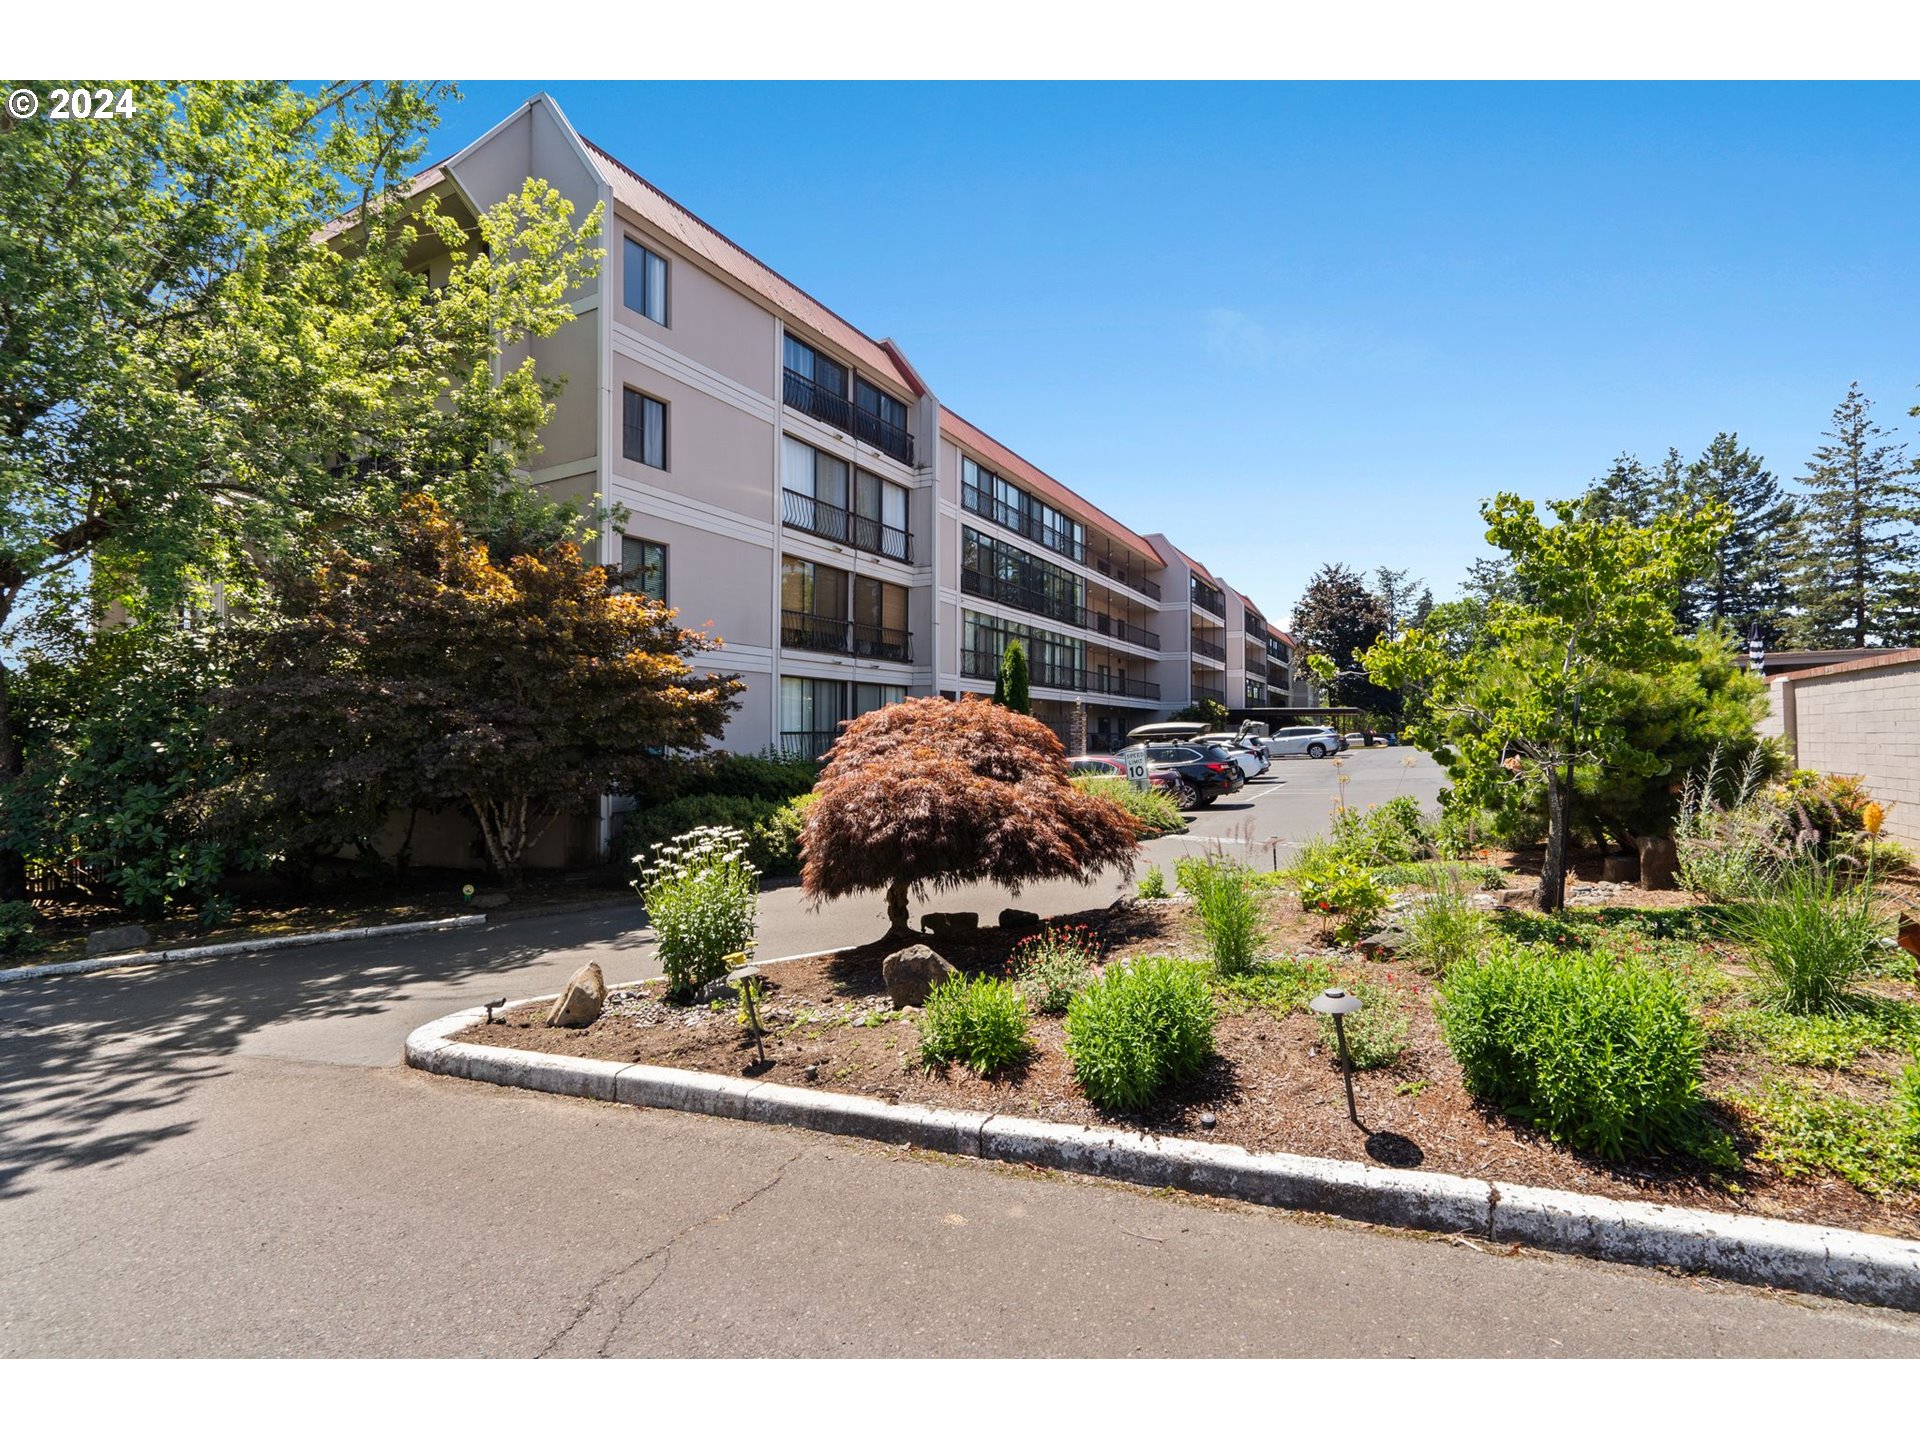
794	485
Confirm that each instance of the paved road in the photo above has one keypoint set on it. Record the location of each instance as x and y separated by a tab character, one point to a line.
226	1158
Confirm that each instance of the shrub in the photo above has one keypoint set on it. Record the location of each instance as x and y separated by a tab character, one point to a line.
770	775
16	928
1138	1029
1444	927
1343	893
776	839
1153	811
979	1021
1599	1053
1431	874
1054	966
770	829
1153	886
702	899
1232	918
1376	1032
1391	834
1809	936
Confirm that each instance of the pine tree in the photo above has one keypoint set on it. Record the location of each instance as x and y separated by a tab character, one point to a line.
1629	492
1010	685
1859	566
1744	584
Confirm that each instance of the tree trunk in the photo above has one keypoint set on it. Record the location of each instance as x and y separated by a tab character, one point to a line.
13	865
897	908
1553	870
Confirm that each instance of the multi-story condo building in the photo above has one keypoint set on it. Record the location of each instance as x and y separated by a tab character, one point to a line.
793	483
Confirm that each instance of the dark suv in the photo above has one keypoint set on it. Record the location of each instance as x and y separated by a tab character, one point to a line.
1197	774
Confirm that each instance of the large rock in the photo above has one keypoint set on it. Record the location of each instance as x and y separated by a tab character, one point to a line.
951	922
1621	869
1659	862
580	1003
1384	943
118	940
911	973
1019	920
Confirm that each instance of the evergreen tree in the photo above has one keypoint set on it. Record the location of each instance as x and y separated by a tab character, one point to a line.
1744	583
1859	564
1629	492
1338	617
1406	602
1010	685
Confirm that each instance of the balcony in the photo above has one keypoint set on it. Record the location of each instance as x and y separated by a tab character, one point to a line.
1209	692
830	522
836	410
802	631
1207	598
979	502
1137	583
1209	649
1123	632
985	665
1276	672
1022	597
809	744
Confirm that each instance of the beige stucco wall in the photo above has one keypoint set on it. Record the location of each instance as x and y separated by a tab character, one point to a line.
1865	722
708	321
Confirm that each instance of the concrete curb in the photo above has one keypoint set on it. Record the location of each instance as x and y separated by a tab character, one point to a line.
241	947
1846	1264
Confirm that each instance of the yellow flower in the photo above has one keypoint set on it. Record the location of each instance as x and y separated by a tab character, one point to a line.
1872	816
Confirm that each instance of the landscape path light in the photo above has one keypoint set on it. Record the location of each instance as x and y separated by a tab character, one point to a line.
1340	1003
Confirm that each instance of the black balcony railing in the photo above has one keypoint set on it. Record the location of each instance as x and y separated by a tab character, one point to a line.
1208	648
1207	597
811	744
1138	583
1209	692
1023	597
830	522
985	665
803	631
841	413
1123	632
973	498
1276	671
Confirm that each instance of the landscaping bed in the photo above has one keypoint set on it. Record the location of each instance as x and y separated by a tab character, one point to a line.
1273	1082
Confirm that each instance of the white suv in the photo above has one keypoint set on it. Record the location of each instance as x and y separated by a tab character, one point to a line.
1249	754
1318	741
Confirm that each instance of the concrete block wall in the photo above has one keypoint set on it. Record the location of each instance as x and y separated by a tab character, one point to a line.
1859	721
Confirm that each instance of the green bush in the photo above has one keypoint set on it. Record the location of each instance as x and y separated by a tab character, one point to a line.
16	928
1444	927
1153	885
1342	892
770	775
1376	1032
1152	810
702	898
1809	936
753	818
1391	834
1600	1053
1232	917
1139	1029
978	1021
776	839
1054	966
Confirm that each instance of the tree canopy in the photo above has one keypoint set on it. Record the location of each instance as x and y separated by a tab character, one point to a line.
931	794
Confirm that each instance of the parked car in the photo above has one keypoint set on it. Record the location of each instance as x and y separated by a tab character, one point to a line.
1247	754
1197	775
1315	740
1360	738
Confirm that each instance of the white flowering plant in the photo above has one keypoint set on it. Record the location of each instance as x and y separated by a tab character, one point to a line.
703	900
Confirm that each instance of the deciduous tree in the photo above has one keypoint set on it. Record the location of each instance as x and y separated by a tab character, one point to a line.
929	794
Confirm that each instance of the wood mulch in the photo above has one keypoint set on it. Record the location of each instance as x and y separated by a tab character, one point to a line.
1272	1086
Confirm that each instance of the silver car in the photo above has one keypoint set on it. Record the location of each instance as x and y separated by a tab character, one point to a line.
1317	741
1248	754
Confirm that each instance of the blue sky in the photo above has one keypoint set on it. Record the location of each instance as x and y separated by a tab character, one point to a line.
1294	323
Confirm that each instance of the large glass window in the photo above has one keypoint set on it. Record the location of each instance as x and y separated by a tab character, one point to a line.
644	282
810	589
644	433
815	474
809	364
876	402
645	564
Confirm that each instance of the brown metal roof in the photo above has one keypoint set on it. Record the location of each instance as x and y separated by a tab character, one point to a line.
1909	656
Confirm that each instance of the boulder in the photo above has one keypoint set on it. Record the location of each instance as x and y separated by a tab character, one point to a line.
1659	862
580	1003
117	940
1019	920
1383	944
911	973
952	922
1621	869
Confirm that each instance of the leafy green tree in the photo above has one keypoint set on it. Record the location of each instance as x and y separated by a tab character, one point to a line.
1404	601
1010	684
1745	583
1207	711
219	350
1339	617
1859	538
1539	692
434	676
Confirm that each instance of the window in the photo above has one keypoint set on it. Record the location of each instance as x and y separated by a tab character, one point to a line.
810	365
810	589
645	282
836	501
815	474
645	437
645	564
876	402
